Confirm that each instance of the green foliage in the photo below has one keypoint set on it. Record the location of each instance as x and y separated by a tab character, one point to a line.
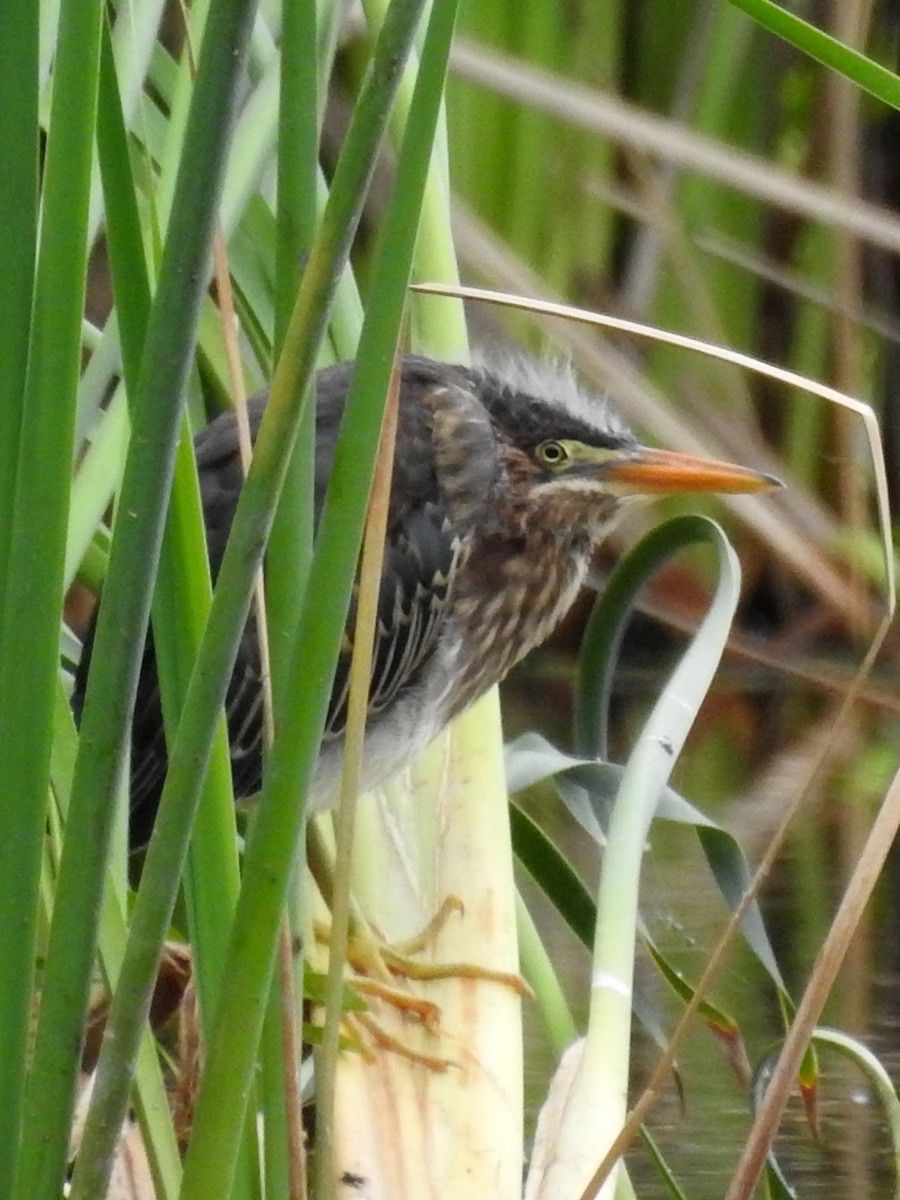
219	128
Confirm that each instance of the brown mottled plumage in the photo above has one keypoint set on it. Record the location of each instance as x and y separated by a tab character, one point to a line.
504	481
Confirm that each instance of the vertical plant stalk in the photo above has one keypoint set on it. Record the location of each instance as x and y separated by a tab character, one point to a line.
595	1106
443	828
131	287
291	540
180	609
35	505
454	834
18	219
360	675
291	1052
123	620
437	324
22	821
288	560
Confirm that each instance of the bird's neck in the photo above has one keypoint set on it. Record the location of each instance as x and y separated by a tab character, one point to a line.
505	607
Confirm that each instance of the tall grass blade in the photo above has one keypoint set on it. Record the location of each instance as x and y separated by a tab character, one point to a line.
32	601
22	823
120	630
864	71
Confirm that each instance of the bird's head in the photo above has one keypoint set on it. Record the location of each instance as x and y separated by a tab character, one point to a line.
569	456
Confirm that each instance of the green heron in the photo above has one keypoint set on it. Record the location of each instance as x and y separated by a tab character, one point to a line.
505	480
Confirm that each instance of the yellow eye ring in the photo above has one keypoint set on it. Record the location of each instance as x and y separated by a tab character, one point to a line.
552	454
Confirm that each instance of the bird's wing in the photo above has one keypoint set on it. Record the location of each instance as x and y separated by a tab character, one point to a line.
442	479
421	556
149	760
444	470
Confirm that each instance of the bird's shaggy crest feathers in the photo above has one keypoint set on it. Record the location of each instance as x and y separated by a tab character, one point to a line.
563	407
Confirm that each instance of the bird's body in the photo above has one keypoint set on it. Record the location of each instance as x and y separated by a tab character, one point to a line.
503	485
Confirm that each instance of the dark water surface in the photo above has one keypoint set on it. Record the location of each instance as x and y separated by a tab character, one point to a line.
746	762
701	1135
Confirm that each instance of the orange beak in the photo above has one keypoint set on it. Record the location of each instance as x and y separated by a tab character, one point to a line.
646	471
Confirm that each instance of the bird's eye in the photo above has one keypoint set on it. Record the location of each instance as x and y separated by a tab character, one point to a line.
552	454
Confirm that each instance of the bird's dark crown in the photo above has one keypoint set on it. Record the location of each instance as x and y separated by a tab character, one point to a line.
533	400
